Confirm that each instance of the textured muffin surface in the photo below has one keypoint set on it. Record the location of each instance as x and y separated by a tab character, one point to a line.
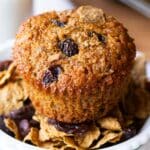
76	63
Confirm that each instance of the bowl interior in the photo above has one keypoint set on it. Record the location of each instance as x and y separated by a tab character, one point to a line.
133	143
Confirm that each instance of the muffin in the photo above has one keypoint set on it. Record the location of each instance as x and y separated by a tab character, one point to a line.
76	63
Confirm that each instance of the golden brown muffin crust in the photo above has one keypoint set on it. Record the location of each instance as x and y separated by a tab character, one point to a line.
74	62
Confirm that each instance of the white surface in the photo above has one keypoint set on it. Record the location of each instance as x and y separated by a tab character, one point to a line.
47	5
9	143
12	13
145	147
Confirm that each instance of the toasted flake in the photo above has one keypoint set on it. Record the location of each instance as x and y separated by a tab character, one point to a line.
110	123
6	75
116	139
69	141
2	74
50	145
86	140
32	137
48	131
12	96
105	132
11	125
107	138
12	92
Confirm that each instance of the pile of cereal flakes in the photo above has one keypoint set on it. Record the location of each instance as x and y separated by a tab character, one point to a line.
19	119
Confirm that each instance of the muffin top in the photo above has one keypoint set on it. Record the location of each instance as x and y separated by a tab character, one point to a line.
75	63
71	49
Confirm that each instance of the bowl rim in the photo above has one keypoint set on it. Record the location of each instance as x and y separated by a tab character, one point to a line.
133	143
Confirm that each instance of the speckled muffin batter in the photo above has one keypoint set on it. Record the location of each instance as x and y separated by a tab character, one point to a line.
76	63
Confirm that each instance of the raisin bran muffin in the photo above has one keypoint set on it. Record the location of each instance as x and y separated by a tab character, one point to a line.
76	63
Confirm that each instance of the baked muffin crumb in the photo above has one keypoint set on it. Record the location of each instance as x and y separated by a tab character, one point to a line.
83	57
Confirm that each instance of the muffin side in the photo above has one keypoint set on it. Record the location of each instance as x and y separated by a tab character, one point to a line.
76	63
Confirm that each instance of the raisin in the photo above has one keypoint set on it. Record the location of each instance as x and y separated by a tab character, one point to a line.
29	142
58	23
4	65
79	129
24	127
69	47
100	37
25	112
34	123
51	75
27	102
129	132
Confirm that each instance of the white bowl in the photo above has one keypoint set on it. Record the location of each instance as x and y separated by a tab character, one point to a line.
9	143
